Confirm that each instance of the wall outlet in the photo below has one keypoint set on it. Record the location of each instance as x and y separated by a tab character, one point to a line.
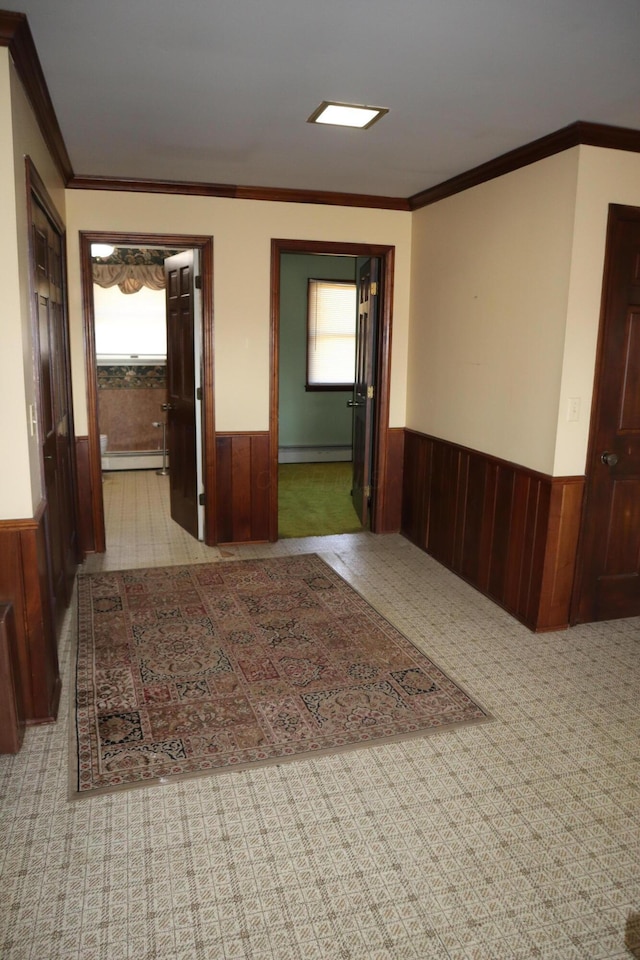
573	408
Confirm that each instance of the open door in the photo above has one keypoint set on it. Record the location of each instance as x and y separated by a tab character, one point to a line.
608	585
364	387
380	507
181	390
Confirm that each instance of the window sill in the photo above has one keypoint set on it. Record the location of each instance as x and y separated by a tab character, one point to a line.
328	387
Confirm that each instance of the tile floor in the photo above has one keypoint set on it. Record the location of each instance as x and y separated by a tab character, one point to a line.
516	838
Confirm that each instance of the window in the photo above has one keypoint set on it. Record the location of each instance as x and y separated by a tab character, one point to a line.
331	335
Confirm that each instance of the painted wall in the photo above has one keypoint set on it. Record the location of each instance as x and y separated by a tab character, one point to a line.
505	308
242	232
308	418
20	487
501	332
489	291
604	177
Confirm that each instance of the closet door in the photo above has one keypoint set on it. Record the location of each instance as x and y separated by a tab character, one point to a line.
55	416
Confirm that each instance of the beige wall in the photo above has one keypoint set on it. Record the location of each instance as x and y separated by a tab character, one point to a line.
604	177
505	308
14	496
20	486
489	293
242	232
500	333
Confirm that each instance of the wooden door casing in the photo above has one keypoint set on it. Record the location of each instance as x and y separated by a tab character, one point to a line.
381	469
92	500
608	581
364	387
55	418
181	393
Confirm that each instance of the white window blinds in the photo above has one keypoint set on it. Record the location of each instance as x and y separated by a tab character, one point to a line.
331	334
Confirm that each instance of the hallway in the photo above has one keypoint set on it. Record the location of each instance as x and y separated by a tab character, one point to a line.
512	839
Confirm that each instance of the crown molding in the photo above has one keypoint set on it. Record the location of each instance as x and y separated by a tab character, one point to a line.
580	132
235	192
15	34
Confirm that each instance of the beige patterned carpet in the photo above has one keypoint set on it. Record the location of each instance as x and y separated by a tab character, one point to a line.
191	669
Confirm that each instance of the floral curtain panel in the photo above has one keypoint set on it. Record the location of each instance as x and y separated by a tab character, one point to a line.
132	268
130	278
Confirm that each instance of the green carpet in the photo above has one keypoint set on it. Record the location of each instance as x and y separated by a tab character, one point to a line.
314	500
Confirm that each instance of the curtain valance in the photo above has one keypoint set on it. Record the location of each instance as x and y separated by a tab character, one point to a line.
130	278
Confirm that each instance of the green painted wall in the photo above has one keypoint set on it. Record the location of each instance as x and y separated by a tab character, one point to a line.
314	418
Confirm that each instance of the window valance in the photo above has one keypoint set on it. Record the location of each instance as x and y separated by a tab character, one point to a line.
130	278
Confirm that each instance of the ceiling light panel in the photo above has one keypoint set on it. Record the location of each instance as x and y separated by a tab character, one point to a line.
346	114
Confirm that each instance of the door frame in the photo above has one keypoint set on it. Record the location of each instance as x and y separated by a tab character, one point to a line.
386	255
205	246
36	192
616	214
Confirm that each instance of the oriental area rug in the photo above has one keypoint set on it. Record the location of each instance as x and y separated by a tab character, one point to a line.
213	667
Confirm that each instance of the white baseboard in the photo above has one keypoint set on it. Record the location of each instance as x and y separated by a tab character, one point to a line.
314	454
131	460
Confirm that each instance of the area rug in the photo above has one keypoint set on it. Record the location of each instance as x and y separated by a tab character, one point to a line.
214	667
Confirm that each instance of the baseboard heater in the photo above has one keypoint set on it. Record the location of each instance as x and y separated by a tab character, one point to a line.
132	460
304	454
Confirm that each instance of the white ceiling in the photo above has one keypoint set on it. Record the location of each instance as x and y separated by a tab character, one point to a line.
218	91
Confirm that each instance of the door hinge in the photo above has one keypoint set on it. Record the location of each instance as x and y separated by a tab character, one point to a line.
373	289
367	491
197	282
201	500
198	393
370	392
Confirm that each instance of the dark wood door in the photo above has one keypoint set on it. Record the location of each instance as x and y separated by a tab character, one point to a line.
54	406
364	387
608	585
181	390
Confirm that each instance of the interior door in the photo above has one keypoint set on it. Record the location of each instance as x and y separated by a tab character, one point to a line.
181	390
54	406
609	562
364	387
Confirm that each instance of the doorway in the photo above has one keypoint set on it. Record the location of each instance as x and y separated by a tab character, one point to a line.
52	422
192	310
370	400
607	583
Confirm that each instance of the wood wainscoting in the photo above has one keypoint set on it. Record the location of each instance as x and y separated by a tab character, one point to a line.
242	487
86	530
510	532
24	582
389	517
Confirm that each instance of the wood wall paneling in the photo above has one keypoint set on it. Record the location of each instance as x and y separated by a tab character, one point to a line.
12	722
390	518
509	531
415	476
565	512
86	532
478	508
242	487
24	582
